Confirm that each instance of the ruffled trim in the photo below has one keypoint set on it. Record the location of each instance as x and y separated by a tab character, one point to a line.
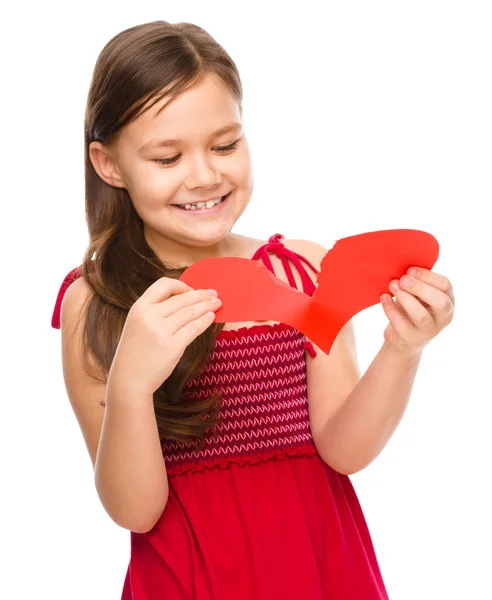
249	332
232	334
226	462
308	345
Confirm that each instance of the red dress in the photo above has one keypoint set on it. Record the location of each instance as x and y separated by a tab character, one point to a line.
256	514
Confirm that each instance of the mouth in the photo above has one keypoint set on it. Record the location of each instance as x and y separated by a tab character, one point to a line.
201	208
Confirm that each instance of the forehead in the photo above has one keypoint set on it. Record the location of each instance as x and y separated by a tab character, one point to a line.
197	114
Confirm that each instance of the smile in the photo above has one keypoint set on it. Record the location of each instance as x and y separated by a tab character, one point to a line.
210	207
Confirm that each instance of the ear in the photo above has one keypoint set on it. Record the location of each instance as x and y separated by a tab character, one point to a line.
104	164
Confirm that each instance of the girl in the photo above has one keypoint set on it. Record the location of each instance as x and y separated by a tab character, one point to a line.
202	439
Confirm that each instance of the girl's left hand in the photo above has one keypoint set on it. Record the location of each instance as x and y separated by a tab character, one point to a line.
421	309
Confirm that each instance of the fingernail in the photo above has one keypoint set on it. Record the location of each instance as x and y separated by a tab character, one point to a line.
215	300
213	292
414	272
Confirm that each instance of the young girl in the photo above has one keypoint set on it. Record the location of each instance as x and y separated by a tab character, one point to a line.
225	451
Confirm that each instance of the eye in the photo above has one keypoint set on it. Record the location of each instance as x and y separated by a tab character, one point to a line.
173	159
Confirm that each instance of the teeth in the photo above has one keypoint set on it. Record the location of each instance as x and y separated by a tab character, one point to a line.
201	205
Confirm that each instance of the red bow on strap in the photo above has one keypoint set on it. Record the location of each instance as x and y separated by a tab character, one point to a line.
353	275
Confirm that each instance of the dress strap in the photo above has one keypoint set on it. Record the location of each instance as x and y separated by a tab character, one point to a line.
275	245
69	279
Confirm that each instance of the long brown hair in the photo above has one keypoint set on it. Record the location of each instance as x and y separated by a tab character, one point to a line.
147	61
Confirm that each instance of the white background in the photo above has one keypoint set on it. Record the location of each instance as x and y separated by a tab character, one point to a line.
360	116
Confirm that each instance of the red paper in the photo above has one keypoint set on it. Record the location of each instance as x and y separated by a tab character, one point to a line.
353	275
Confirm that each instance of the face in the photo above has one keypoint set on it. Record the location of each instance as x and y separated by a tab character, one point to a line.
197	165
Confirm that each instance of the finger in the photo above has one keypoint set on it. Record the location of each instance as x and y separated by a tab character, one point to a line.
175	303
398	304
402	324
415	311
187	314
435	279
163	288
424	304
186	334
440	304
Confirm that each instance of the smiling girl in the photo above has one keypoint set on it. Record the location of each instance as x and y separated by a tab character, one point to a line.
226	449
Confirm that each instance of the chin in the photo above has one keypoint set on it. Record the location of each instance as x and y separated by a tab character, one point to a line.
210	236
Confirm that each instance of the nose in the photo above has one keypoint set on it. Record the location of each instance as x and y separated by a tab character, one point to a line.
202	173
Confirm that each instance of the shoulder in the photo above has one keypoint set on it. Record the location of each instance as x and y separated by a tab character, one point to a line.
74	290
73	302
314	253
77	292
311	250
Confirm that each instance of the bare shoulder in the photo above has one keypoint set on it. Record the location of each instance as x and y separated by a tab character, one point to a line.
73	304
311	250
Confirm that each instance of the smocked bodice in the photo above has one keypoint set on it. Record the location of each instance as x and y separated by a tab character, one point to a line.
261	374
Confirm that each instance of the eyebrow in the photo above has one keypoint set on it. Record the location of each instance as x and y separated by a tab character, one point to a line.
162	143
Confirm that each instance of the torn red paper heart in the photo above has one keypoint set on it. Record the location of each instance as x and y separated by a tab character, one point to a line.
353	275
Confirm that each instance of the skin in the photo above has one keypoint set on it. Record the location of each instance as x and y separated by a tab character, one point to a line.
201	172
356	431
423	307
351	417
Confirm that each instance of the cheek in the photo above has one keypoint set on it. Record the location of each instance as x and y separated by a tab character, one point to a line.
243	181
249	181
243	170
154	186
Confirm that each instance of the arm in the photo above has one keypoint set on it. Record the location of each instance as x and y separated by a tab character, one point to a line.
130	473
358	431
120	431
353	418
355	434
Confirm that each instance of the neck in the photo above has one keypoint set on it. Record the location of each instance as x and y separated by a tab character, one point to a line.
179	254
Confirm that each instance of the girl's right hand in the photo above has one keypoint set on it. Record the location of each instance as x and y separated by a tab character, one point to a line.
159	326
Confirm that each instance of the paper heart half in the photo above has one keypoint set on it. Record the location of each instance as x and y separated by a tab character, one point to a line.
353	274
